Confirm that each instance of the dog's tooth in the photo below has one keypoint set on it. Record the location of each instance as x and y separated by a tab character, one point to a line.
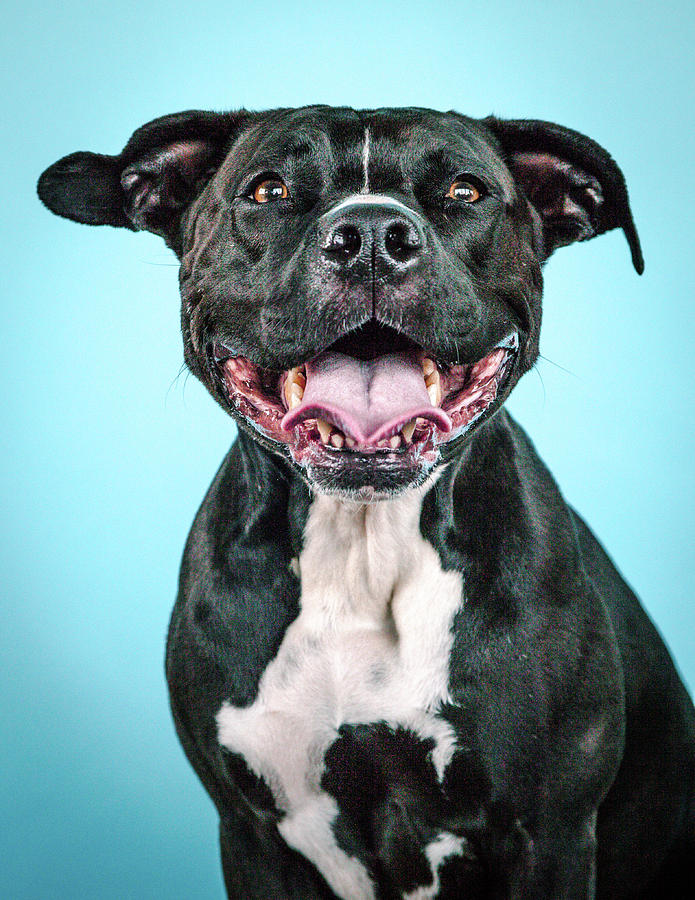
289	385
300	379
382	443
428	366
432	378
395	442
351	442
337	439
325	429
297	390
434	393
407	431
294	400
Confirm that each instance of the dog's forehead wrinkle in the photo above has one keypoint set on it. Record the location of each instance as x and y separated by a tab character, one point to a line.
324	134
368	142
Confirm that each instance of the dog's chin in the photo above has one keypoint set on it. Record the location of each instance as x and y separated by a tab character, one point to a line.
370	416
365	478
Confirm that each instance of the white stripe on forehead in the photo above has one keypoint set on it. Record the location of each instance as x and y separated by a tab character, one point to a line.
372	200
365	162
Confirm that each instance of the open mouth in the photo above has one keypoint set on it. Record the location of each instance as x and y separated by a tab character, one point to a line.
374	393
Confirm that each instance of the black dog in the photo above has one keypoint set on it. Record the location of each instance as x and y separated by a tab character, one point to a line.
401	665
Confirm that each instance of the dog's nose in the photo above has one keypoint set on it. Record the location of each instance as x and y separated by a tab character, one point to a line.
387	234
402	241
343	243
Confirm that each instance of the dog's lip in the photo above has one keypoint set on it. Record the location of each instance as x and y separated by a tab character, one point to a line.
468	392
221	351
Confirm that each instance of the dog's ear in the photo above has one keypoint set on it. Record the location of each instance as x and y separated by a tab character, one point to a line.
161	170
572	182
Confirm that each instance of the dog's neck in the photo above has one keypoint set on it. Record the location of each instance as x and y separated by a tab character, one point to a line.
276	492
355	556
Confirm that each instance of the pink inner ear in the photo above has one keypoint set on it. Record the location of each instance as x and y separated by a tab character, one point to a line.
560	191
187	156
160	183
536	161
550	175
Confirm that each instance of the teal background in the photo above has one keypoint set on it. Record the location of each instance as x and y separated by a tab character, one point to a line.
107	448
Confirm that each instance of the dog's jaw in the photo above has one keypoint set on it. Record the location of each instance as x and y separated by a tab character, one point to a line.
358	445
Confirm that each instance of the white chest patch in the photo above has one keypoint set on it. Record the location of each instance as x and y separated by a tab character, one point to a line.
439	850
371	644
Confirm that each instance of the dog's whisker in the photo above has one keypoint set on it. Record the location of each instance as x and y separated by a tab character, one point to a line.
558	366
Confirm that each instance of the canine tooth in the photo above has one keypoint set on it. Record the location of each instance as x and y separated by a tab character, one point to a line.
325	429
407	431
433	391
382	443
428	366
295	400
337	440
294	386
432	378
395	442
288	386
351	442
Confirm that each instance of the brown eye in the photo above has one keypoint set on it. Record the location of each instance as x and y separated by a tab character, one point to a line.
464	190
270	189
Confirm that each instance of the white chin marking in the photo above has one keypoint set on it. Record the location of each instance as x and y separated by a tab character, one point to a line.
374	599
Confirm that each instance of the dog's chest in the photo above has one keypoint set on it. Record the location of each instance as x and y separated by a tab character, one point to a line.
371	644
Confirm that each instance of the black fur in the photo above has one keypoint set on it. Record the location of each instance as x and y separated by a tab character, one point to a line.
574	774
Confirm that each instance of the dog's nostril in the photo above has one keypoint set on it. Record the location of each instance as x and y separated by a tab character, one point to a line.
402	242
343	243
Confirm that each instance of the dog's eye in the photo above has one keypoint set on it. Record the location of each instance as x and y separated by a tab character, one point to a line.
270	189
464	189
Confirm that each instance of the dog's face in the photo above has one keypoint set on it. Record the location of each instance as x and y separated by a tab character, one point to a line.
361	290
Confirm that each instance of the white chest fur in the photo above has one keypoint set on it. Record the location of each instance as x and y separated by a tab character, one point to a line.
371	644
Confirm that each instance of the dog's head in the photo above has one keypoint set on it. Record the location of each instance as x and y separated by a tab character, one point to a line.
361	289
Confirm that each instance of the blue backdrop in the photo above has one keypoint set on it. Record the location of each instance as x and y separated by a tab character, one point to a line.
107	449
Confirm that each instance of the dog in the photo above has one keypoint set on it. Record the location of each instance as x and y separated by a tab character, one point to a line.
401	665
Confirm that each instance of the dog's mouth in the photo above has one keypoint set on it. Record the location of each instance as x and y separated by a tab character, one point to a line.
373	394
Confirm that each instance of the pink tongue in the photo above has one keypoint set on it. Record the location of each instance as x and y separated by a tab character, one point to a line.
366	399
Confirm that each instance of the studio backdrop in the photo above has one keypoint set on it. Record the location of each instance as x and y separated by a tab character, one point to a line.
108	446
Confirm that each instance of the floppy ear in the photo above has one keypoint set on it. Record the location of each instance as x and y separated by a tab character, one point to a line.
161	170
571	181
